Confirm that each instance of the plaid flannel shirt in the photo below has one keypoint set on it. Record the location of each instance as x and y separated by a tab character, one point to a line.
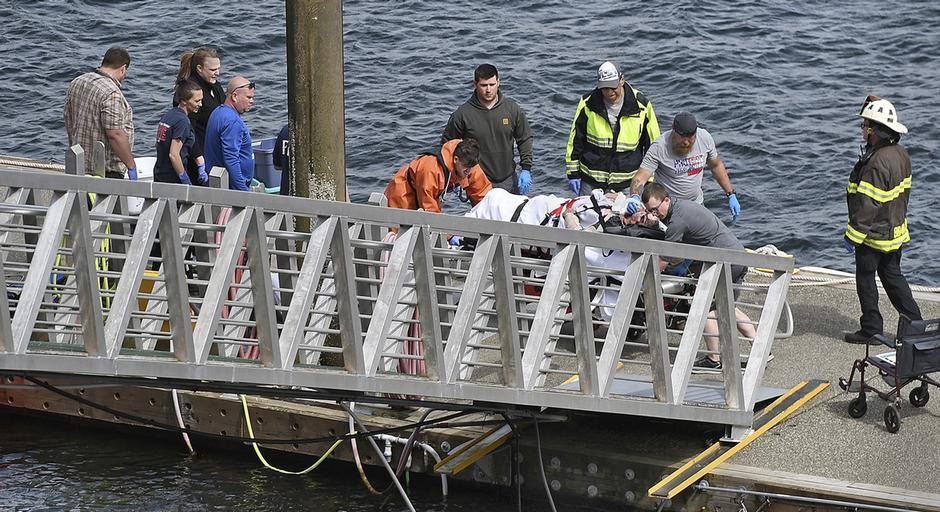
95	103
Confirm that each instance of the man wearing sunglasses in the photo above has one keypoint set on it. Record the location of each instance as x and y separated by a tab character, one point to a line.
688	222
228	141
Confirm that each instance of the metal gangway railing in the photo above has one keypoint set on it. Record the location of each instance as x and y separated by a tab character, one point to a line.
91	285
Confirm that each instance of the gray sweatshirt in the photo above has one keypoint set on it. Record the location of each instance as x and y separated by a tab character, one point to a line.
495	129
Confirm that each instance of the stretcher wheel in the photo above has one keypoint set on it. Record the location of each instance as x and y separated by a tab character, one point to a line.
858	407
919	396
892	419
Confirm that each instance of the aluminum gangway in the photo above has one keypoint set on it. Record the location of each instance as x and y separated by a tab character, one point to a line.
113	278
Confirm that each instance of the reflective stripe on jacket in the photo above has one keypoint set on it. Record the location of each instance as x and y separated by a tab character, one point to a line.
877	195
604	155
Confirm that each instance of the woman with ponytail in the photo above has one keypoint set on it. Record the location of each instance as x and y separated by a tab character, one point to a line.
202	67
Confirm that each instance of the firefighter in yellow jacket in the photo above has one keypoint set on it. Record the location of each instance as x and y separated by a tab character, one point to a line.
612	129
877	196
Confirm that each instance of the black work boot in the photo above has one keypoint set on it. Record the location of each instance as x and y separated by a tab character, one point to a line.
860	338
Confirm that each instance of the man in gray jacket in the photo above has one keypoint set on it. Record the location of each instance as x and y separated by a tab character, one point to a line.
688	222
495	121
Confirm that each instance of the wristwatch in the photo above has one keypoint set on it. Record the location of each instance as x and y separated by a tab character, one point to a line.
731	193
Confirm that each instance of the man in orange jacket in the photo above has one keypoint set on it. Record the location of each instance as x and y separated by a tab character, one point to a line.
422	183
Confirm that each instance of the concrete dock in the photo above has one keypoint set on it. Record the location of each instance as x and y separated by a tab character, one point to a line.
821	442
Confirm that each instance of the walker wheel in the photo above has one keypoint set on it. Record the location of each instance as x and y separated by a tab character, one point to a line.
919	396
858	407
892	419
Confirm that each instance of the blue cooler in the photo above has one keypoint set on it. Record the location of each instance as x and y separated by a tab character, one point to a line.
264	163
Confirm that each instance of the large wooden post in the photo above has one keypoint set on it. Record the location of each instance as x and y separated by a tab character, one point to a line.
315	99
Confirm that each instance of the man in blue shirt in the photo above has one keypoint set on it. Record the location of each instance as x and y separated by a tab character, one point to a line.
228	141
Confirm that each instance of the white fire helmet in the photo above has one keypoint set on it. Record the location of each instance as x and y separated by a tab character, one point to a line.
882	112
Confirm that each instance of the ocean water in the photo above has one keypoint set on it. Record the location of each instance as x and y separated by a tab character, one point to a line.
778	84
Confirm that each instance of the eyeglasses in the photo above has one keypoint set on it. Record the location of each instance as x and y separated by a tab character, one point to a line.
250	85
655	211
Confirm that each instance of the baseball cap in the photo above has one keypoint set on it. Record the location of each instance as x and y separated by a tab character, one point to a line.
608	75
684	124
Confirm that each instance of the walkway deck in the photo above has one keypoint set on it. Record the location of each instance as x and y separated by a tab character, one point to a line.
822	439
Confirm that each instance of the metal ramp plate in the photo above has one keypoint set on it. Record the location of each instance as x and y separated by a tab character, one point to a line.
466	454
721	451
700	391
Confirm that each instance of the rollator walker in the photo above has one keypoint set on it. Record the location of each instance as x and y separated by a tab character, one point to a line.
916	354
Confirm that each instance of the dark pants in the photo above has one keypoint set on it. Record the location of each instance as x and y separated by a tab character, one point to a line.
510	184
868	261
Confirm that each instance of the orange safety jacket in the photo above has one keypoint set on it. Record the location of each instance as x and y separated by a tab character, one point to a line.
422	183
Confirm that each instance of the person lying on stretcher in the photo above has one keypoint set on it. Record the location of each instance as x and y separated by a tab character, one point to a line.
586	213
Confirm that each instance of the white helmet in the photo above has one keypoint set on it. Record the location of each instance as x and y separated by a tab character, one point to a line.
882	112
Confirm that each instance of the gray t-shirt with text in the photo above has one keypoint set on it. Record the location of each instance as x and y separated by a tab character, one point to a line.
681	175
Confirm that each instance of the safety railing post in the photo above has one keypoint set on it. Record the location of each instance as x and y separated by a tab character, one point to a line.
124	304
766	327
620	323
86	278
177	290
216	291
694	327
75	161
426	294
376	337
305	290
262	290
40	268
656	331
510	348
728	339
6	332
580	301
344	277
539	337
467	307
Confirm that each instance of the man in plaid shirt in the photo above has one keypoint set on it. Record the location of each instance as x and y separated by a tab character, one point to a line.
95	109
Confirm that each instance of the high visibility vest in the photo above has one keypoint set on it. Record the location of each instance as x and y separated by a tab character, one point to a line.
608	155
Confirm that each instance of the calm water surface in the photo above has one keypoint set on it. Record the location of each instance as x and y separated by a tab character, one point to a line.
777	84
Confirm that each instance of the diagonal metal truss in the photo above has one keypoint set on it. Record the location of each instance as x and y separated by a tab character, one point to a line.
206	284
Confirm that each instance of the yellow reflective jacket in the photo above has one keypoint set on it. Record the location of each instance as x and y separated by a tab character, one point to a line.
877	195
608	156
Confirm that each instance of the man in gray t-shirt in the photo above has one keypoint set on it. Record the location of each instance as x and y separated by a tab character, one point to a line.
678	158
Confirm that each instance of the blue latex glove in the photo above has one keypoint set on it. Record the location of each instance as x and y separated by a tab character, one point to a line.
525	182
734	205
634	204
132	174
184	178
849	246
203	175
455	240
575	185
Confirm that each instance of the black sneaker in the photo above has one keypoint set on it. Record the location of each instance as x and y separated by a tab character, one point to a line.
859	338
706	365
